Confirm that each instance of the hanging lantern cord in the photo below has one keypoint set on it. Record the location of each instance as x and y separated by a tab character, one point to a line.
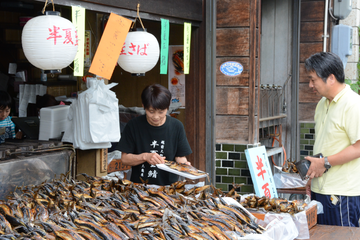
43	11
138	16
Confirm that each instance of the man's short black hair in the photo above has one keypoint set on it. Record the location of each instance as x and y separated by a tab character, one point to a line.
324	64
156	96
5	100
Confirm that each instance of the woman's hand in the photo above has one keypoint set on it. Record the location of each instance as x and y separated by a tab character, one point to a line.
182	160
154	158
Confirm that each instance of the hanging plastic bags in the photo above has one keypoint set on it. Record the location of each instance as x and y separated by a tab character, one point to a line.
94	117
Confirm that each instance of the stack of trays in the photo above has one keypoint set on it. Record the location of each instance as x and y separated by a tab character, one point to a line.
53	121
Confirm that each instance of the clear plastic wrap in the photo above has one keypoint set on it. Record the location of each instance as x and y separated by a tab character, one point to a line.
299	220
283	227
288	180
32	170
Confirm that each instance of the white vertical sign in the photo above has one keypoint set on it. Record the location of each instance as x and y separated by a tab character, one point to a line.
260	171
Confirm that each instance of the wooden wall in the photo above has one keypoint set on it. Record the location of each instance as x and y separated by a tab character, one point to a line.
311	41
183	9
237	39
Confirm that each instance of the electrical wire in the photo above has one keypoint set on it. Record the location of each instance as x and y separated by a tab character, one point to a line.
273	143
330	13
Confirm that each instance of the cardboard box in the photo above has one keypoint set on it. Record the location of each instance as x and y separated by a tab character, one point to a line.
116	165
311	215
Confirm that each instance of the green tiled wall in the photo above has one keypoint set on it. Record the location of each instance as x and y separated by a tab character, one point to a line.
231	167
307	138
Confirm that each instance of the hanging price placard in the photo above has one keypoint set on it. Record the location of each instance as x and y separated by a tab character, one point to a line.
187	40
78	19
164	46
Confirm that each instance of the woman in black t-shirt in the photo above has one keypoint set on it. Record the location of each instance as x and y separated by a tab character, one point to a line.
151	138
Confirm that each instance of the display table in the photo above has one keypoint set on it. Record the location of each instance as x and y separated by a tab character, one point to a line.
300	190
327	232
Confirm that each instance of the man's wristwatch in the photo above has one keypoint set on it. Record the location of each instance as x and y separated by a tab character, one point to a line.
327	164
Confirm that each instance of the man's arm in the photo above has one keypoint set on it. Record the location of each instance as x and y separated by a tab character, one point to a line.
136	159
317	167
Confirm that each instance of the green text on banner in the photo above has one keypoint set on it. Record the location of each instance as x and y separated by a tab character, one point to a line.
164	46
78	19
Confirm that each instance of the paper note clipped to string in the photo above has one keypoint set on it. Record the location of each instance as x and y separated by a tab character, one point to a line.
110	46
187	40
164	46
78	19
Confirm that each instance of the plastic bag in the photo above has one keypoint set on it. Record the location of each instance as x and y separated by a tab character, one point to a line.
93	118
288	180
116	175
103	114
299	220
282	227
114	155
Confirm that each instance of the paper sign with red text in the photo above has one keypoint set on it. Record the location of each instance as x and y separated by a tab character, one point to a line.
110	46
260	171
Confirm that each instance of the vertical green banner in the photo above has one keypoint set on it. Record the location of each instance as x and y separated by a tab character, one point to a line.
187	40
78	19
164	46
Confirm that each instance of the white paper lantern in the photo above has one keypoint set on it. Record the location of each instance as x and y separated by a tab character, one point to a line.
140	53
49	42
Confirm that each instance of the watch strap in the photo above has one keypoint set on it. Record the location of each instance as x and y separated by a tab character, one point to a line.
327	165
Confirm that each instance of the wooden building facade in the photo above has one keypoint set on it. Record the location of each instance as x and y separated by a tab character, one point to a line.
270	38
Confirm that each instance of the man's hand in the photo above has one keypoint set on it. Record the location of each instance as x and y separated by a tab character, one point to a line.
317	167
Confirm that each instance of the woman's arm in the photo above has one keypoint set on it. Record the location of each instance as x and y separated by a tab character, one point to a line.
137	159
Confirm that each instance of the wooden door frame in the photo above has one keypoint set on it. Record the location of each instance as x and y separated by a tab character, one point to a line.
196	111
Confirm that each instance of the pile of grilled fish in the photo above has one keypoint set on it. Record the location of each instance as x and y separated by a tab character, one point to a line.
98	208
290	167
274	204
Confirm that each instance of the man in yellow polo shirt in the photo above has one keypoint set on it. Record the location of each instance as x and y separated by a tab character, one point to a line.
335	178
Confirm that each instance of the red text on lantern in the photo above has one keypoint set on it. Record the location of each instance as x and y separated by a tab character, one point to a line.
54	33
68	38
133	49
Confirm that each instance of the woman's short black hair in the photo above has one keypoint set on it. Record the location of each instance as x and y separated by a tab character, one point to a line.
5	100
156	96
324	64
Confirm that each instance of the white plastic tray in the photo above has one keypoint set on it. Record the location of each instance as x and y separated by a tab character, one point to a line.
184	174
